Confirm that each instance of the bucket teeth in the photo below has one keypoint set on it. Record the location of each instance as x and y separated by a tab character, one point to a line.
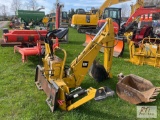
155	93
152	100
157	90
153	96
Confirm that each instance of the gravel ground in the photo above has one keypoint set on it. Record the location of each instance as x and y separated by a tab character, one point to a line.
3	23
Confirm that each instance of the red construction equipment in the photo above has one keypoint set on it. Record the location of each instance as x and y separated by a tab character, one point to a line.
145	31
119	43
141	11
31	39
23	36
144	42
28	51
58	8
127	26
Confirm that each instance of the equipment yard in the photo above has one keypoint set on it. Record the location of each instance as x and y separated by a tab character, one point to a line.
20	99
3	23
50	70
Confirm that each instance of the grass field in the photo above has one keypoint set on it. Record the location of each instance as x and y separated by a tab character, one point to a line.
21	100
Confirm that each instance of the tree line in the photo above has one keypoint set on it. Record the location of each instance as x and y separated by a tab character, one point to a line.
33	5
16	5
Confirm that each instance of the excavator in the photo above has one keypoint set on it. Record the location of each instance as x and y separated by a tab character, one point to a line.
85	22
115	14
138	4
88	12
52	18
143	41
62	83
135	12
127	28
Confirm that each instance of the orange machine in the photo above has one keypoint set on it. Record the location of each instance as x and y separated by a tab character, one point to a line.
115	14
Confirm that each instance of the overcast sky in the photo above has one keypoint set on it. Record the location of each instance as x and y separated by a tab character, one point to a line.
68	4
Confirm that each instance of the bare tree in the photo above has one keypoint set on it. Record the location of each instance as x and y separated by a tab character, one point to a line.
54	6
26	5
152	2
33	4
3	11
125	12
15	5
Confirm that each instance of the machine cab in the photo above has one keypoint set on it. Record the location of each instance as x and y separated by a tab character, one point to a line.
114	13
65	18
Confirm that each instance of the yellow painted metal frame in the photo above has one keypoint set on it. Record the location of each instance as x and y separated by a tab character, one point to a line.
53	68
80	19
146	53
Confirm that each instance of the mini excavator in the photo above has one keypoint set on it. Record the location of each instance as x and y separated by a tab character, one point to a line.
57	80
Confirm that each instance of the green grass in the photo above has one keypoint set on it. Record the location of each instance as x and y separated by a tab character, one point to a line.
6	26
20	99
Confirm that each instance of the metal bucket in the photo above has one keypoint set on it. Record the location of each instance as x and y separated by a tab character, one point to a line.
135	89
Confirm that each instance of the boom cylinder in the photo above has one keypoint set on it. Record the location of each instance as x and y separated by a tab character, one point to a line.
76	94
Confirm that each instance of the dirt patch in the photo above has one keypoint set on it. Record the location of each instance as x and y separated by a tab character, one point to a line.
3	23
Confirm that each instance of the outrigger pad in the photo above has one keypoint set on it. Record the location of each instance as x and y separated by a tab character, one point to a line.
103	92
59	33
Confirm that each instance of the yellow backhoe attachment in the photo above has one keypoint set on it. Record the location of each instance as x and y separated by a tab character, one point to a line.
57	79
145	52
135	89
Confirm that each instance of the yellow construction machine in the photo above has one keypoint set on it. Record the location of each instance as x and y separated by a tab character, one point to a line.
144	42
89	21
52	18
146	51
138	4
56	79
62	83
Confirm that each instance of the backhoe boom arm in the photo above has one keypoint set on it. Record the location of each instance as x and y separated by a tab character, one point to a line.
56	79
81	64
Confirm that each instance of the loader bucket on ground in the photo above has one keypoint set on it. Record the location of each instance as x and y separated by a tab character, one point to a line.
135	89
118	48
